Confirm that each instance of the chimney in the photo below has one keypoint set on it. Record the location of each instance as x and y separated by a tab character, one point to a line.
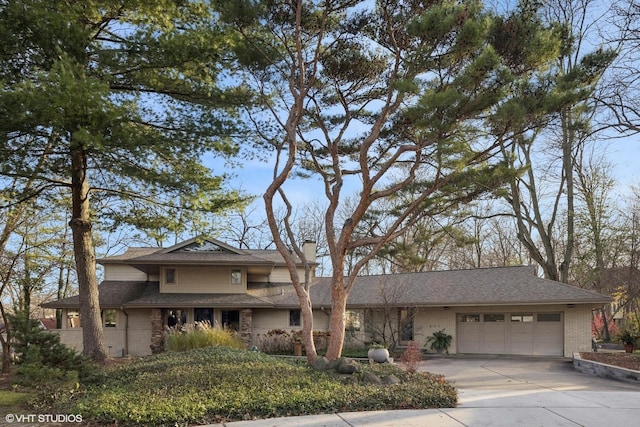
309	250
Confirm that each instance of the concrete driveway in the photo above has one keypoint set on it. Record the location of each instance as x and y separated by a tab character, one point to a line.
501	391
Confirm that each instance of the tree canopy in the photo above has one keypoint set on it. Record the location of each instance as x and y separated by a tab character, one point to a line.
118	102
404	103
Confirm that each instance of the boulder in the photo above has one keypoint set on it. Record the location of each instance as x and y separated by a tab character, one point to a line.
371	378
348	366
321	364
391	380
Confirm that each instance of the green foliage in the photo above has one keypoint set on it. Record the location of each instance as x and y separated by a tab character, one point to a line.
137	87
218	384
201	335
627	336
440	341
42	358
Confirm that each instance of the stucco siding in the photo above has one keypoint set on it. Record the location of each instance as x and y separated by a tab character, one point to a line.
213	280
71	338
429	320
123	272
139	332
577	330
281	275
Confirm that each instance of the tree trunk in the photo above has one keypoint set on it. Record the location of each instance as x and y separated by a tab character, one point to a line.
6	343
336	320
307	328
92	333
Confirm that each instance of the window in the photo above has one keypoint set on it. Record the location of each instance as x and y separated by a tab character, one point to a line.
549	317
170	276
294	317
203	315
493	317
176	318
405	323
231	320
109	318
352	321
468	318
522	318
73	319
236	277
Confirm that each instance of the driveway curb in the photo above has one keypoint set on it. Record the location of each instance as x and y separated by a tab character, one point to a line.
605	371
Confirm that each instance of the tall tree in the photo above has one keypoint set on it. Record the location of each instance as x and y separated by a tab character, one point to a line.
384	102
121	100
545	197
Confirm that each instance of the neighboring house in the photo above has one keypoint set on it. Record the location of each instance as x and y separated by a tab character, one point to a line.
506	310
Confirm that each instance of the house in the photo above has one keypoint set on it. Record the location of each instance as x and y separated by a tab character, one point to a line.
506	310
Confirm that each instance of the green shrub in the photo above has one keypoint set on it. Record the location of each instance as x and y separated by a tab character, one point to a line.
202	335
42	358
216	384
440	341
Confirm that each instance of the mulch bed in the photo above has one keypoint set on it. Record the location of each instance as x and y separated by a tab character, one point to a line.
623	360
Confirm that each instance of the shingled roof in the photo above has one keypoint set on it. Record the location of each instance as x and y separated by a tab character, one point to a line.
196	251
115	294
477	287
112	294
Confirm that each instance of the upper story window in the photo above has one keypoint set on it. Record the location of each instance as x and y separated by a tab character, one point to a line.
236	277
170	276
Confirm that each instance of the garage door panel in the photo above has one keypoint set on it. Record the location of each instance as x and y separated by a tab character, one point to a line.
519	334
548	338
493	338
469	337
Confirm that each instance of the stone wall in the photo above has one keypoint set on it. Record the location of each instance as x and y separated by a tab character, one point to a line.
157	331
246	320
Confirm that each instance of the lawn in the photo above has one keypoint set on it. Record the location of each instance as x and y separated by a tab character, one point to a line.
219	384
13	402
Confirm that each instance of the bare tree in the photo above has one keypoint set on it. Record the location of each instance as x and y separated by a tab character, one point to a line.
378	102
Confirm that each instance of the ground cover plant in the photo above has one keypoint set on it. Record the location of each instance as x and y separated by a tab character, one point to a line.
219	384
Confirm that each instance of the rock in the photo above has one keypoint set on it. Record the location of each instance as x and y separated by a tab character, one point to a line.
391	380
371	378
321	364
348	379
348	366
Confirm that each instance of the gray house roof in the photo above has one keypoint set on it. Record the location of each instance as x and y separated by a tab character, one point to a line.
112	294
477	287
197	251
115	294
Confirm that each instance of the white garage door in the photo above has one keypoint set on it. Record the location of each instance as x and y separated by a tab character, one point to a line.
527	334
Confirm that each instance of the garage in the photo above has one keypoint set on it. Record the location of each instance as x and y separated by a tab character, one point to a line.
527	334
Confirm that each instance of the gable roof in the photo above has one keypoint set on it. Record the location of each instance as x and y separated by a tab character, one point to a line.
477	287
197	251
